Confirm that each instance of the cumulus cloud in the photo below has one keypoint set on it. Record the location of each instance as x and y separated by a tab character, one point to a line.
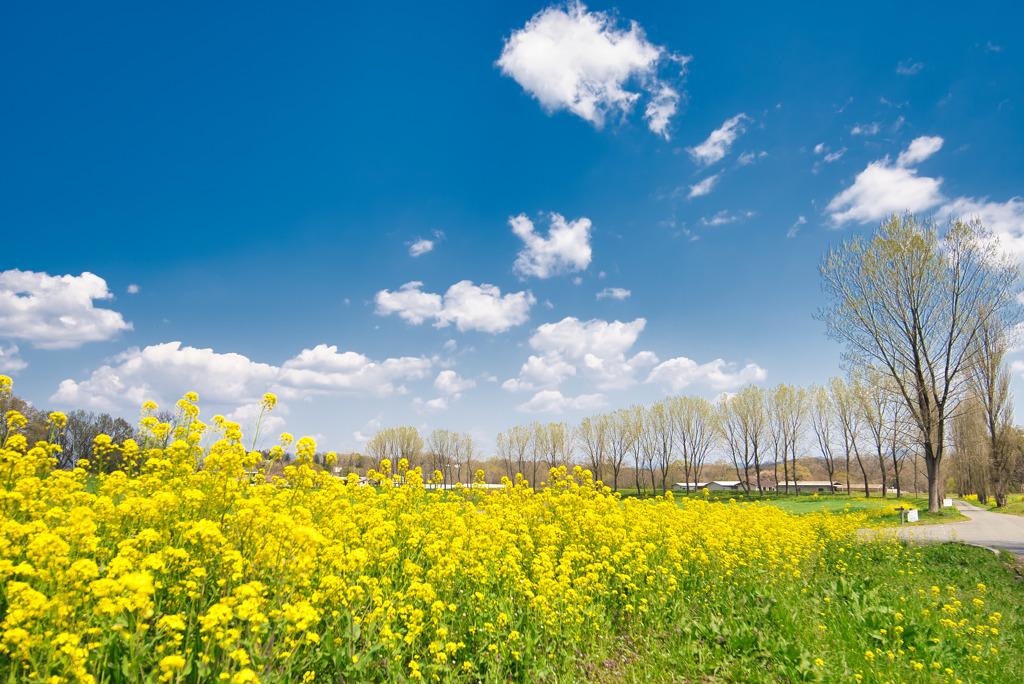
718	143
569	58
436	405
420	247
56	312
595	348
164	372
548	370
449	382
552	401
919	150
619	293
681	372
470	307
885	187
704	187
566	249
1005	219
133	289
323	369
10	362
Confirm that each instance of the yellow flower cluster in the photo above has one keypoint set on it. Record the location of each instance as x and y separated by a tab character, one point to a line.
187	566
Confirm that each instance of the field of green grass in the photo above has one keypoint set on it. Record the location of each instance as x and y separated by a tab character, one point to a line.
1014	504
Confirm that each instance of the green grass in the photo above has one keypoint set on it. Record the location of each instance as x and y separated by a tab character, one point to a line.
1014	505
824	632
839	503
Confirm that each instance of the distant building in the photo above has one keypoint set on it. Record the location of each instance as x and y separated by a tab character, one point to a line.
811	486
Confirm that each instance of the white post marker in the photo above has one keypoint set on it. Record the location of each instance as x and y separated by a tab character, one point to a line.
912	515
946	503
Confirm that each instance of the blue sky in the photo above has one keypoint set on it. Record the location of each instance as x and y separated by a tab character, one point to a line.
469	216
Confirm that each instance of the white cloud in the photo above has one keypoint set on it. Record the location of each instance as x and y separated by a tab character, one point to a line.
724	217
165	372
865	129
1005	219
450	345
819	148
421	247
10	362
552	401
133	289
595	348
884	188
619	293
548	370
449	382
468	306
270	424
660	109
919	150
718	143
834	156
436	405
678	373
56	312
483	308
566	249
908	67
791	233
410	303
323	369
750	157
569	58
704	187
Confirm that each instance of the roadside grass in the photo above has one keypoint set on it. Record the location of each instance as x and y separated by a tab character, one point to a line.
871	619
1014	504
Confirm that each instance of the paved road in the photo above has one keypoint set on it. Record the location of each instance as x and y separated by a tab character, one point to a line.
992	530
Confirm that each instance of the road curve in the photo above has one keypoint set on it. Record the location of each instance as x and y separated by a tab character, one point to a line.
984	528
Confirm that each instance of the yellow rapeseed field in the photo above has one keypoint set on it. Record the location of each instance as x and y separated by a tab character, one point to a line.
190	565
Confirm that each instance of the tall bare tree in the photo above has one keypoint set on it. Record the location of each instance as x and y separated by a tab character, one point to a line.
621	435
846	400
823	420
697	426
909	303
745	431
990	384
592	438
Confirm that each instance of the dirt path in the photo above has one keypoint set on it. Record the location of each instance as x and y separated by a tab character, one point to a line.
984	528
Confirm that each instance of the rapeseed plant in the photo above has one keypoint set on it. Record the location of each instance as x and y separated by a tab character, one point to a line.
190	564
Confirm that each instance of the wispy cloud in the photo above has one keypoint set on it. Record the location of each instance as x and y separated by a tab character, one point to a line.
613	293
704	187
909	67
724	217
718	143
865	129
795	228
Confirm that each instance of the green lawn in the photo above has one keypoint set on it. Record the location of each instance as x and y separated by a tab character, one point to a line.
1014	505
